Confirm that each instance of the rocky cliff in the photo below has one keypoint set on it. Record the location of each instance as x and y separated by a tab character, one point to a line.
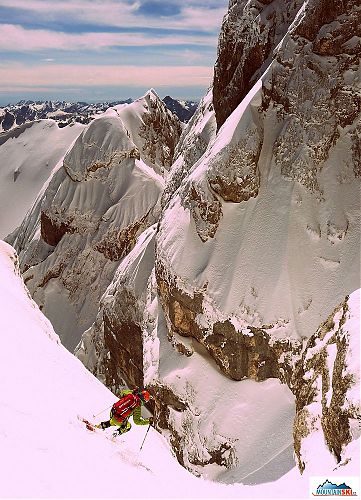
88	219
250	33
326	383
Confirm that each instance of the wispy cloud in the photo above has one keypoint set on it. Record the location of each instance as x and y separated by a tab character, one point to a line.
71	75
16	38
49	44
180	15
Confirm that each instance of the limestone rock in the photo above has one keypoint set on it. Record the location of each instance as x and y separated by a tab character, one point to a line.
251	30
113	348
91	214
326	384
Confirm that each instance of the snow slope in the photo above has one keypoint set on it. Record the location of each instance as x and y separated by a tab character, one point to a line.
45	452
28	156
43	388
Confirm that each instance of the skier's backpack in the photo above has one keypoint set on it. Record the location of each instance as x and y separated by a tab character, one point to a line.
125	407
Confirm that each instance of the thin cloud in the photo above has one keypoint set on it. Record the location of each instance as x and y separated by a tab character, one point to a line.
204	15
47	75
18	39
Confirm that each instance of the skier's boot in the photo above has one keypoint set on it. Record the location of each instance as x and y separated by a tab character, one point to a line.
103	425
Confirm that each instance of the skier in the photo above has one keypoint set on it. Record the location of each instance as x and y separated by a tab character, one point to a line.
129	404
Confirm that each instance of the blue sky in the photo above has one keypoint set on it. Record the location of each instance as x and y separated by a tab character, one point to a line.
97	50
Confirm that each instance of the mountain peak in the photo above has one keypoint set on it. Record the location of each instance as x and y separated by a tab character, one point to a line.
151	97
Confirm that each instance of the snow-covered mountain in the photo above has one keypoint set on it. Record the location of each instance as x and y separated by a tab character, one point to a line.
258	244
105	193
28	156
183	109
43	390
65	113
267	239
229	279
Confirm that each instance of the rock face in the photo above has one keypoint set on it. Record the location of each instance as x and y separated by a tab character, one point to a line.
191	146
249	353
93	210
113	347
326	384
153	128
183	109
251	31
7	120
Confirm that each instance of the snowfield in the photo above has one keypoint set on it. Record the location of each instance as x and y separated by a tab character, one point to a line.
46	452
29	155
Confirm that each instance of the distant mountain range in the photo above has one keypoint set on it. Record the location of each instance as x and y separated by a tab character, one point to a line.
183	109
66	113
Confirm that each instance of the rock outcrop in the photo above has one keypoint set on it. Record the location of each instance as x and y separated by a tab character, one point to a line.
326	384
191	146
113	348
95	207
250	32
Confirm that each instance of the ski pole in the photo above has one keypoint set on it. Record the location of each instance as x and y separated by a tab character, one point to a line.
107	408
145	437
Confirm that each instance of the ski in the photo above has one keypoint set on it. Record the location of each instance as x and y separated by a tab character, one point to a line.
88	425
93	428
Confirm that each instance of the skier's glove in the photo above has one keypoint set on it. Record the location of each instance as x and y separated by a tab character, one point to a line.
151	420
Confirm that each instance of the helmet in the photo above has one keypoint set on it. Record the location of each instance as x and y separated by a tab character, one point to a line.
144	395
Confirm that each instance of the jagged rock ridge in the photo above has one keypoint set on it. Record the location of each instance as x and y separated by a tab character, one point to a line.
183	109
104	195
250	32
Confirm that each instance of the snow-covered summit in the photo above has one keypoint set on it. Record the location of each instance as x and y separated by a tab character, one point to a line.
153	129
106	192
86	156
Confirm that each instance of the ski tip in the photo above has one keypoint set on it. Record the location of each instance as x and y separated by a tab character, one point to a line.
88	425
